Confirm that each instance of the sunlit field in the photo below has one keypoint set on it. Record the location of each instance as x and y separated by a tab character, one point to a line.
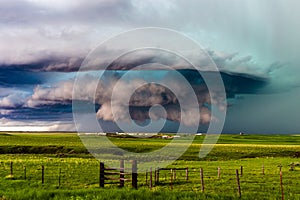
70	172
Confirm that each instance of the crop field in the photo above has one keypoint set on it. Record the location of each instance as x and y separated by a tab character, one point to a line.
70	172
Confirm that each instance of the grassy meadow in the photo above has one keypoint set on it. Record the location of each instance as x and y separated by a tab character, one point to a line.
72	173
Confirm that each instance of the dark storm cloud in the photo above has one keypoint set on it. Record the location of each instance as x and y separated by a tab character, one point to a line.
146	96
55	112
60	93
136	60
10	77
254	47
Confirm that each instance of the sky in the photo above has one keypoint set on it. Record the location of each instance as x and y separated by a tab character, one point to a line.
255	45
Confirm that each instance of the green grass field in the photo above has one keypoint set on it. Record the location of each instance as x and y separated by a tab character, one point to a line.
72	173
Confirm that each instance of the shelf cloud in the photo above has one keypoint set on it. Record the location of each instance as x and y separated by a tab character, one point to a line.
255	49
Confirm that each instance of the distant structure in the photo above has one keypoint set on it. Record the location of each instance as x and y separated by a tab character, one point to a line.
241	133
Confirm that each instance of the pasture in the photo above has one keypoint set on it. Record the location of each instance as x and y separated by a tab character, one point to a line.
70	172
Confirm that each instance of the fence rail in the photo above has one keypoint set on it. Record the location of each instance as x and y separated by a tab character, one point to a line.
120	172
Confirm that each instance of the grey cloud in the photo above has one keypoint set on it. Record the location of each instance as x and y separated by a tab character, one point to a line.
251	44
143	97
35	31
228	62
67	42
26	13
18	12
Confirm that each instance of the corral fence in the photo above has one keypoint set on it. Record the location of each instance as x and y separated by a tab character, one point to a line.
108	173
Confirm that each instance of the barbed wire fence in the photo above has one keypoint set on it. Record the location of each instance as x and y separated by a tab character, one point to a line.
233	180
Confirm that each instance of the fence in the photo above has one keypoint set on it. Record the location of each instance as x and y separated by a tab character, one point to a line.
104	171
243	179
42	174
90	173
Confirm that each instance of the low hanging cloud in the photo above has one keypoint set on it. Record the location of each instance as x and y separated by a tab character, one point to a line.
144	96
141	101
237	75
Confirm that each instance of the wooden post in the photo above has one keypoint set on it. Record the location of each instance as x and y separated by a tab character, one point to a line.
263	169
134	176
59	177
280	166
24	172
238	182
146	177
219	172
157	176
101	175
171	180
241	170
155	173
281	186
11	169
151	178
43	174
202	179
187	173
122	173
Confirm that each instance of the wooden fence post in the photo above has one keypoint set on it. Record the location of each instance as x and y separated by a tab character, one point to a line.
219	172
187	173
202	179
281	186
171	180
146	177
150	177
43	174
238	182
280	166
101	175
134	174
122	173
263	169
157	176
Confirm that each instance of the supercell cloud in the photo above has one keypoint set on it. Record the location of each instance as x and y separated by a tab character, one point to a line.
254	44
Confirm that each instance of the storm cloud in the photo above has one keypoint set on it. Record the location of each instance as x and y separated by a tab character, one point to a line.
145	97
254	44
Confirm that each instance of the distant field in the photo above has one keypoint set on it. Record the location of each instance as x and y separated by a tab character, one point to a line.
64	156
40	139
228	146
